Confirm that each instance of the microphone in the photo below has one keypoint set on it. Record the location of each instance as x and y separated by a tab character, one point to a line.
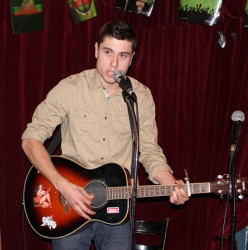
124	83
237	119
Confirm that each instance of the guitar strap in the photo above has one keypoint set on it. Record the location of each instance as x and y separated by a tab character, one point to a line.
55	142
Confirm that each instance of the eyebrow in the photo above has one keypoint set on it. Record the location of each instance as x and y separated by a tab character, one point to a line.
122	52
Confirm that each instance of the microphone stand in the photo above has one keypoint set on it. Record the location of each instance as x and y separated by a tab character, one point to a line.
135	159
233	156
233	194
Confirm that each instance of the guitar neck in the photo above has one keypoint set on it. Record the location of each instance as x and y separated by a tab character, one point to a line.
115	193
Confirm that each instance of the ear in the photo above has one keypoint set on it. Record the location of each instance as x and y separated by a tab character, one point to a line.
96	49
131	59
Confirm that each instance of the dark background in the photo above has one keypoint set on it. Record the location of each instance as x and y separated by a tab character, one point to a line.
196	85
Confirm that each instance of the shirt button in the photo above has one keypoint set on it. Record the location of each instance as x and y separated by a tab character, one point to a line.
103	139
102	158
105	118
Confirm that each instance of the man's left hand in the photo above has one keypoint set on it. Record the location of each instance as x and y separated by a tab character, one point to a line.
179	196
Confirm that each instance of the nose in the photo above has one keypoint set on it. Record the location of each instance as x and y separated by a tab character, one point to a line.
114	61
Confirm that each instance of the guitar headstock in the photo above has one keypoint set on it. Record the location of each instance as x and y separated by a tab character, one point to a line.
223	186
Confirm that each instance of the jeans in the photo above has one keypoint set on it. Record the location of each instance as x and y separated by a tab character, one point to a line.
106	237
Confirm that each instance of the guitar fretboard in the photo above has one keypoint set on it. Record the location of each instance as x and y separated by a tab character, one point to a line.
115	193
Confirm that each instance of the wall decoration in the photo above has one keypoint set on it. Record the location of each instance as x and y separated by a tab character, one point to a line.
27	15
147	9
130	6
82	10
246	16
200	11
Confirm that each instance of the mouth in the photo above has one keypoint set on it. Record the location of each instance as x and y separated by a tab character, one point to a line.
110	74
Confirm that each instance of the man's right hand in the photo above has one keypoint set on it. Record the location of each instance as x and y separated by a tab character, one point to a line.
78	198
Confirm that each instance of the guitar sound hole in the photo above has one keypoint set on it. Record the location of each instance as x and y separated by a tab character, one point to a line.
99	190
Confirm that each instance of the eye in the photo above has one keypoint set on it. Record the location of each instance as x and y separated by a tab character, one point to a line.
108	52
123	55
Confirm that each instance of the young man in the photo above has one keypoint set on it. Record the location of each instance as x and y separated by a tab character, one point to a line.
95	130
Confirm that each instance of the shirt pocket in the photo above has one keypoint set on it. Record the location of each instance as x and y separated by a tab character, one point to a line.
83	121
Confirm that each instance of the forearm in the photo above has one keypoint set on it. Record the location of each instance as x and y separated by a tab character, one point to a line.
41	160
165	178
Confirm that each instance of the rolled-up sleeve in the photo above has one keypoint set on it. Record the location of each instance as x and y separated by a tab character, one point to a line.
151	154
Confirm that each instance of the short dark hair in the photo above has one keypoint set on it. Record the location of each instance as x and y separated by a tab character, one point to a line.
120	30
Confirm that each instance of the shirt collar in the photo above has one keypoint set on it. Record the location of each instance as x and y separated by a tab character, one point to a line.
96	80
97	83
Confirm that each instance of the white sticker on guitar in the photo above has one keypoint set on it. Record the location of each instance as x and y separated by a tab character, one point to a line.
48	221
113	210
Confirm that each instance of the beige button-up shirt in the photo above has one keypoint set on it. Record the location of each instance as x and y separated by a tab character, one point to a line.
95	127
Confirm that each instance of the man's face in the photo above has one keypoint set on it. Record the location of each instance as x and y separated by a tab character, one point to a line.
112	55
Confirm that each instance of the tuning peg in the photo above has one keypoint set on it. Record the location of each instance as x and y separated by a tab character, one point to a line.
238	180
219	177
225	177
241	196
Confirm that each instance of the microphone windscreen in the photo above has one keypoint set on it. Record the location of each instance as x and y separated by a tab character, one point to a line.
117	75
238	116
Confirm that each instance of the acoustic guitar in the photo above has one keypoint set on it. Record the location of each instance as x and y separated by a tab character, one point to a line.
50	215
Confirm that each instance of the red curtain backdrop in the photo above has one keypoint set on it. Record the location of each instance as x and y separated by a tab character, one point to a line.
196	85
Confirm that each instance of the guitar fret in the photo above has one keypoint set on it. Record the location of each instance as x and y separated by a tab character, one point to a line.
154	191
200	188
119	193
115	193
142	193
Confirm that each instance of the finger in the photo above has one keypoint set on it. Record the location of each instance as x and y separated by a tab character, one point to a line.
182	190
173	197
184	194
181	194
180	182
87	198
177	198
81	213
84	211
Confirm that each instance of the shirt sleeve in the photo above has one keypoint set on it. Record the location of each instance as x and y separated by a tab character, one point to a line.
49	114
151	154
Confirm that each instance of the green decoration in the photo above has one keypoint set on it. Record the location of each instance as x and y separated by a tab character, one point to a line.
82	10
246	16
200	11
27	15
